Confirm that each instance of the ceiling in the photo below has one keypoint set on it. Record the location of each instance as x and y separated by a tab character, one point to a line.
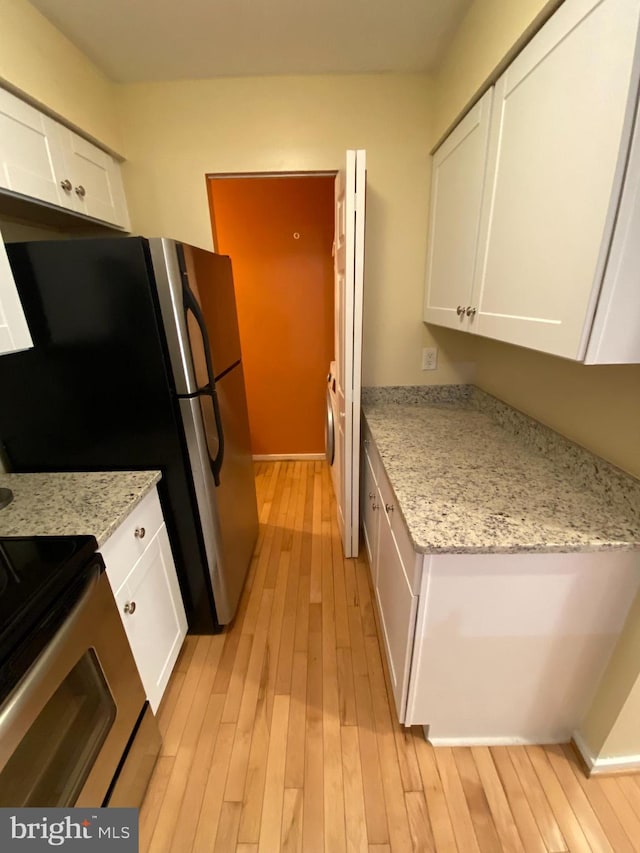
144	40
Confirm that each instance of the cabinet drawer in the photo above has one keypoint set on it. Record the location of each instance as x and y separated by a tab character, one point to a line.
124	548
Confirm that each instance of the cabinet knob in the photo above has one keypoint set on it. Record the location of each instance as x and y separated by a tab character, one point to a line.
372	495
140	533
374	505
471	311
66	185
80	191
130	607
460	310
389	507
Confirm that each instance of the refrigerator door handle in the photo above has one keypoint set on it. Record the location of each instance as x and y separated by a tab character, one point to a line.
191	304
216	464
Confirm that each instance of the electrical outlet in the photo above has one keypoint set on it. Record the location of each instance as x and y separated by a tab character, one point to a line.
429	358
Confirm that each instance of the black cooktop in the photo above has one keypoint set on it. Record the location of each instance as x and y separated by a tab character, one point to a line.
36	575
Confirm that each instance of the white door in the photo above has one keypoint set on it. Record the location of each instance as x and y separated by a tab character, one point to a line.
349	278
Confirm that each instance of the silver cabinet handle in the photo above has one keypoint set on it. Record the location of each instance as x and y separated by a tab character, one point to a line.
471	311
66	185
374	505
460	310
372	495
140	533
389	507
80	191
130	607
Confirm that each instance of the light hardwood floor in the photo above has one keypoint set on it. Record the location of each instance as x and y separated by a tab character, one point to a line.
281	734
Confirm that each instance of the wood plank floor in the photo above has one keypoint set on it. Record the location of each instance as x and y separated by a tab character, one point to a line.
281	734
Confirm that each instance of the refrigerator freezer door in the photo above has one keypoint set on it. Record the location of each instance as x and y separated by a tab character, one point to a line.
169	285
211	282
228	513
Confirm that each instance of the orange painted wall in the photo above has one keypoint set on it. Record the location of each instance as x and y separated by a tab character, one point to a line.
284	290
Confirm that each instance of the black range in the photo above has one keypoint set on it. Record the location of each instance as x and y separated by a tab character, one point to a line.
41	578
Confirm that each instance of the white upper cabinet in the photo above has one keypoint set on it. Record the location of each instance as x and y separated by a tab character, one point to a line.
557	123
44	161
457	185
30	156
14	332
557	151
97	184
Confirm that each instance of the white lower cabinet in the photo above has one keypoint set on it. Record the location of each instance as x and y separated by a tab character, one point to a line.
510	648
370	501
397	607
145	586
492	648
396	602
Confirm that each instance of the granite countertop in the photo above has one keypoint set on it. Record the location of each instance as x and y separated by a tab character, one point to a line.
68	504
472	475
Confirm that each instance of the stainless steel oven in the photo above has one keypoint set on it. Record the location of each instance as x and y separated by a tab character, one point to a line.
75	729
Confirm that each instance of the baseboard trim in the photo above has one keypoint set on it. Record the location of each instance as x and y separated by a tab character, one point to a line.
491	741
288	457
593	766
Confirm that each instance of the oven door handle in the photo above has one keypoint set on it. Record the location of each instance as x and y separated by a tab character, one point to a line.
17	711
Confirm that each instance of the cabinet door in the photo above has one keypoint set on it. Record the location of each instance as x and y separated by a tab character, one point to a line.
555	138
14	332
397	607
151	609
370	512
31	161
457	185
97	183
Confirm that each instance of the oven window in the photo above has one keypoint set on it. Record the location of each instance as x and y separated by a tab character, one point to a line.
52	762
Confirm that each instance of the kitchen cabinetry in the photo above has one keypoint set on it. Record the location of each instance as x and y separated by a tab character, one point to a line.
14	332
44	161
393	569
457	182
558	135
510	648
487	647
370	507
143	578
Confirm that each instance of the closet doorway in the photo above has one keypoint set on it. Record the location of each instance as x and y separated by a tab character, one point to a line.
279	231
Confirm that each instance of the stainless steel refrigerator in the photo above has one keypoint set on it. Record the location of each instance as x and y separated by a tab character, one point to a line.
137	364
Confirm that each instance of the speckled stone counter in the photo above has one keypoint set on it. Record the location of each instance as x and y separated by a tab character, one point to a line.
472	475
72	503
